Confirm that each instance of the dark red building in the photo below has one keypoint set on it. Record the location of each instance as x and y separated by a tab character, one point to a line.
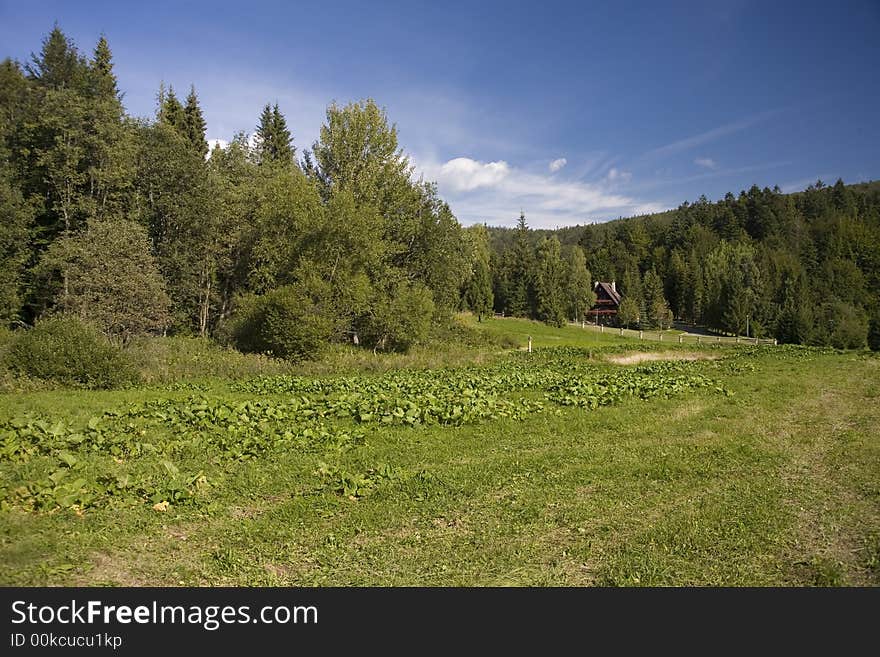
604	311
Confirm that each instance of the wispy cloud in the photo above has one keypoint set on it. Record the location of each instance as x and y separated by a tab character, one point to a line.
556	165
616	176
709	136
495	192
717	173
706	163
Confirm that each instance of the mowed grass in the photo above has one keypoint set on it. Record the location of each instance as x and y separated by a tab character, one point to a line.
777	483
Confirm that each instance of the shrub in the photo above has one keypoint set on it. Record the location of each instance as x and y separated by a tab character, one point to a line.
401	319
65	350
293	322
113	281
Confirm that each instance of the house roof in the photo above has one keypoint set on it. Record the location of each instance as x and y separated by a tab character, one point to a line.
610	291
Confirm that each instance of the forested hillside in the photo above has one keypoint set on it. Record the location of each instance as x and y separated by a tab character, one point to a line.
804	268
133	226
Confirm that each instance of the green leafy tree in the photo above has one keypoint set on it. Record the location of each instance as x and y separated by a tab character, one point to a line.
628	313
478	289
399	318
111	279
177	200
358	152
294	321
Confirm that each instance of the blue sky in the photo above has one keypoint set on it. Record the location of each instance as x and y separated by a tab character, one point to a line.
571	111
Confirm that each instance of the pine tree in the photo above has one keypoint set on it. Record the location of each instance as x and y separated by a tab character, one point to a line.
579	287
59	64
658	313
549	282
104	83
274	143
520	274
171	112
194	123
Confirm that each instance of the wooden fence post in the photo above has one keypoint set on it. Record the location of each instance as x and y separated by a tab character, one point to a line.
679	339
698	339
640	335
621	330
530	344
756	340
660	336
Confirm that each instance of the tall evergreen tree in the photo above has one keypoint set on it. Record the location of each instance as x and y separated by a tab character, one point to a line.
580	296
520	272
104	84
194	123
658	313
274	142
550	271
171	112
58	65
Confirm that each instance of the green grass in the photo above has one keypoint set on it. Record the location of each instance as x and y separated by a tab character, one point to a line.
549	336
775	483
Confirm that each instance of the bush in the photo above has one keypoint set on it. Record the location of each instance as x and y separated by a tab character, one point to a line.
65	350
293	322
401	319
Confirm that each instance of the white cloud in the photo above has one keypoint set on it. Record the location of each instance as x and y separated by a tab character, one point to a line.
222	143
617	176
556	165
463	174
706	162
495	192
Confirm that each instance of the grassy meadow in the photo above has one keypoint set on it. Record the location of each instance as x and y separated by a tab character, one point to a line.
456	464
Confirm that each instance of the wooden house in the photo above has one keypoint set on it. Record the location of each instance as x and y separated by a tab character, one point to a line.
604	311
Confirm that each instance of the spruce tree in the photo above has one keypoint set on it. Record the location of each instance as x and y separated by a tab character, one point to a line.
194	124
549	282
171	112
520	263
104	85
59	64
579	286
274	143
658	313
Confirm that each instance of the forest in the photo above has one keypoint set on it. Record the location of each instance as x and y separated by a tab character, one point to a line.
803	268
132	227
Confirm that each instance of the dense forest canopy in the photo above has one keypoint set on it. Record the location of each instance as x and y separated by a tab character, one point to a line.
803	268
134	226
